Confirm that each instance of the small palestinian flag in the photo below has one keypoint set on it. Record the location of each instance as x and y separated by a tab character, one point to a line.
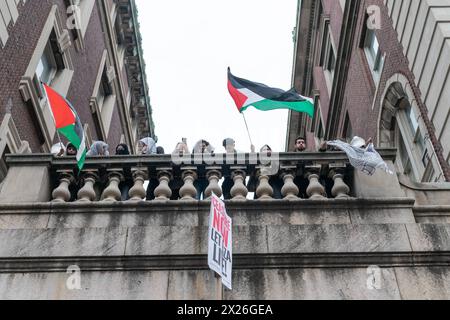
67	123
247	93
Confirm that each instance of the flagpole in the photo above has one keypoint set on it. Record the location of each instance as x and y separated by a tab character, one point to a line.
248	131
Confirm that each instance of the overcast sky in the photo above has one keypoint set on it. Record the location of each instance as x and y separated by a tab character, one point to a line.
188	46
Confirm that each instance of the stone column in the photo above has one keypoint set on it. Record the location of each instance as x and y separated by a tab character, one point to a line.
62	193
188	191
264	190
214	175
163	192
315	190
87	193
289	191
340	189
138	192
112	192
239	191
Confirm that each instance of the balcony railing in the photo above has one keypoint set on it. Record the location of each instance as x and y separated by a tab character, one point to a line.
285	176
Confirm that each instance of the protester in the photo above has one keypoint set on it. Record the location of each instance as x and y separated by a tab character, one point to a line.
58	149
182	148
147	146
300	144
122	150
362	155
202	147
160	150
229	145
98	148
300	180
71	150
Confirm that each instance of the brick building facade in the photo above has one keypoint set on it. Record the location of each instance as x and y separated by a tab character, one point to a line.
90	52
362	63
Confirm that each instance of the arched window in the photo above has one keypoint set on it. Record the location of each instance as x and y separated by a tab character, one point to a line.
401	127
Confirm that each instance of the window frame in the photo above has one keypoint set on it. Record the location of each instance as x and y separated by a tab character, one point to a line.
30	87
375	60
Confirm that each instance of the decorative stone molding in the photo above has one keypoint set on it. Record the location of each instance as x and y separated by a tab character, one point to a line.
62	193
315	190
239	191
264	190
289	191
30	87
214	175
188	191
138	193
87	193
163	191
112	193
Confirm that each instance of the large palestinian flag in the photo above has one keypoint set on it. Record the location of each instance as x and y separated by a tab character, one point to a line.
247	93
67	123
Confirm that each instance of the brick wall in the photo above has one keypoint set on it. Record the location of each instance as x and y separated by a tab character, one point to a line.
16	55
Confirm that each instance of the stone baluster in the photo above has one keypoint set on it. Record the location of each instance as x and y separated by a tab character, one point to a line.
112	192
138	192
87	193
163	191
62	193
290	191
239	191
188	191
264	190
214	175
340	189
315	190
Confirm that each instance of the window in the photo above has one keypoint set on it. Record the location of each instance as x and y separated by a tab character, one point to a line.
50	63
10	142
78	14
404	156
328	56
46	69
348	130
119	26
103	99
317	124
49	66
3	166
104	90
9	13
373	54
401	123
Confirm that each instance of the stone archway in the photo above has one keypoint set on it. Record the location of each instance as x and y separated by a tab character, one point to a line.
395	98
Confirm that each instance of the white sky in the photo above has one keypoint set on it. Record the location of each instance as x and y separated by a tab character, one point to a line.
188	46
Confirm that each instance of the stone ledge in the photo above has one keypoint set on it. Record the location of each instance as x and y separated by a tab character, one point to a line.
249	205
176	240
241	262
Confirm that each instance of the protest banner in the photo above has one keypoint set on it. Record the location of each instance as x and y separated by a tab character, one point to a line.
220	246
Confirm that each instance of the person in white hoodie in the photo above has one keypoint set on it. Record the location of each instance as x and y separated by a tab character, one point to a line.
147	146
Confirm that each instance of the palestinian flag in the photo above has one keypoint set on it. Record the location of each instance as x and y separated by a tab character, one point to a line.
247	93
67	123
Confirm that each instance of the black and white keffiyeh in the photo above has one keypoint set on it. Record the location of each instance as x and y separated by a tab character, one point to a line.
367	160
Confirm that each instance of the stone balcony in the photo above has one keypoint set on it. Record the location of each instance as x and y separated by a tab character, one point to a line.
313	244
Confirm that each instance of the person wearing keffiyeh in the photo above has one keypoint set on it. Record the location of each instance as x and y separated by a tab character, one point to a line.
98	148
362	155
148	146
